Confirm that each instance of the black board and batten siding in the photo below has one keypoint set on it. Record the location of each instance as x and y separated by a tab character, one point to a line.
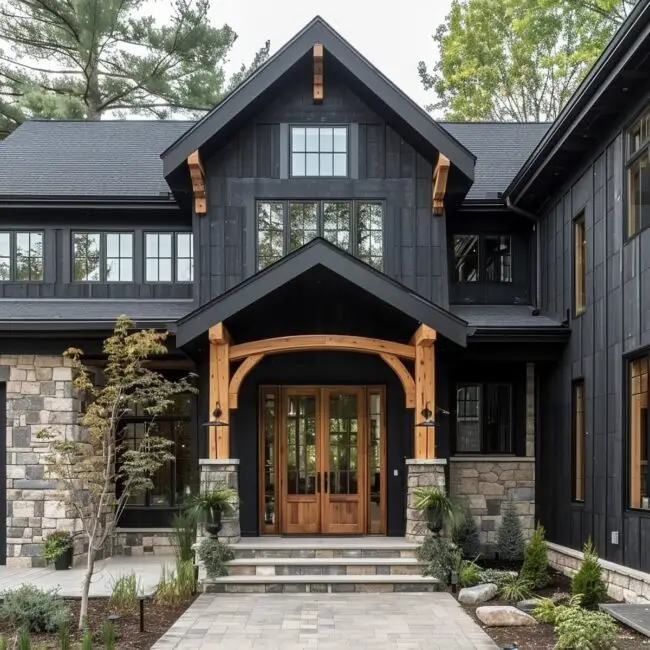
254	165
614	324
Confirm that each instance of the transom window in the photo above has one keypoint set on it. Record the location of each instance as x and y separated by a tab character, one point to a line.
482	258
21	256
484	418
638	175
319	151
354	226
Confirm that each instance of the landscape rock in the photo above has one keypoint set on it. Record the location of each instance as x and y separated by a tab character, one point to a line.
477	594
503	616
528	605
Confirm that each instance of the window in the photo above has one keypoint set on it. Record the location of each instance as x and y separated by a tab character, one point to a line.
482	258
638	175
578	440
119	257
283	226
102	257
184	257
158	257
484	418
173	480
319	151
638	434
87	256
579	265
21	256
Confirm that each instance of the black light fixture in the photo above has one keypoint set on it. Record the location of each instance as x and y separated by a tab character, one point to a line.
216	414
428	420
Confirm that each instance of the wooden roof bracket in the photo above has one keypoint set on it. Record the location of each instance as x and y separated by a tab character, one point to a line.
197	174
318	73
440	175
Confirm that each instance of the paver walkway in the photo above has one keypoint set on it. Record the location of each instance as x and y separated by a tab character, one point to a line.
392	621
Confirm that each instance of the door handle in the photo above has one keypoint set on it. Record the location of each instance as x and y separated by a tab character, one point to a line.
317	482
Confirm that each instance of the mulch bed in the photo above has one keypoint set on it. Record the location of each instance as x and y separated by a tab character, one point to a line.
157	620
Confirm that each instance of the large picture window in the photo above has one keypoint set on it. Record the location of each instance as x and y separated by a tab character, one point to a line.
354	226
21	256
638	432
482	258
484	418
638	175
319	151
578	433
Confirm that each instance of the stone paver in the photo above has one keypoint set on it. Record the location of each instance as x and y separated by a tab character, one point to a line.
399	621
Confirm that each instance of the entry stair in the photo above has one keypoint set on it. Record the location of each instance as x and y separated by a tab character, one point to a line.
322	565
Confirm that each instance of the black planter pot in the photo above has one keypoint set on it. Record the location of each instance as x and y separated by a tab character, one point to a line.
213	523
64	561
435	521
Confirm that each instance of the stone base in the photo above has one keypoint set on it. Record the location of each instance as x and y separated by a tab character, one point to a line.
421	473
218	474
132	542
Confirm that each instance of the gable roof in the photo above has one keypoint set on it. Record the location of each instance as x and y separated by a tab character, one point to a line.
417	122
320	252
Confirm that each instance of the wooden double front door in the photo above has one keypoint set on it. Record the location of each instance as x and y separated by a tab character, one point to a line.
329	460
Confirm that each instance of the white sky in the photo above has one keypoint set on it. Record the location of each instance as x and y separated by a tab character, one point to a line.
393	37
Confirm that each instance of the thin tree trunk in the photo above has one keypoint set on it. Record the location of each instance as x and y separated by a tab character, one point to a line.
90	567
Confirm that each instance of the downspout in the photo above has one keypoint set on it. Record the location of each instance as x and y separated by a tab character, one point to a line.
538	249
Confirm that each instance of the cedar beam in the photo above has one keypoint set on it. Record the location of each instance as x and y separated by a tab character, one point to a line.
239	375
197	174
219	437
440	175
318	73
404	376
425	390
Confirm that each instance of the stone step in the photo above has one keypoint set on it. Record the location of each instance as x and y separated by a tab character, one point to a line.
324	548
320	584
266	566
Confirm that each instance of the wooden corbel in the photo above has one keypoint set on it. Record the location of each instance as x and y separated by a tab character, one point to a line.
197	174
440	174
318	73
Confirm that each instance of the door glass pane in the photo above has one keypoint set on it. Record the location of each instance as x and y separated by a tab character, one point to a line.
301	444
375	433
466	258
468	420
343	443
269	406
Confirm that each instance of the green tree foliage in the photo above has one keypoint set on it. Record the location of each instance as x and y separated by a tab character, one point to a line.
84	58
517	60
588	580
466	536
90	466
510	538
535	567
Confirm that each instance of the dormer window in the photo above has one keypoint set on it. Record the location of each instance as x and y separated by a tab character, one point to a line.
482	258
319	151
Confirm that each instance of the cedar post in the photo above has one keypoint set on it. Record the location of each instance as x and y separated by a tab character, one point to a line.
219	437
425	390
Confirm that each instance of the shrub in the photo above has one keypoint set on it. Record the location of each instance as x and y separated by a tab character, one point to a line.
535	567
214	554
34	610
588	581
184	535
469	574
466	536
581	629
496	576
3	642
23	640
515	589
108	635
547	608
510	540
440	555
56	544
124	596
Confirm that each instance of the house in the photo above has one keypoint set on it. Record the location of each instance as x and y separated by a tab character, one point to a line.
371	300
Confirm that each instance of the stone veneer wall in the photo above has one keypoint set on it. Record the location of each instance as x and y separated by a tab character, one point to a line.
421	473
487	484
218	474
39	394
153	541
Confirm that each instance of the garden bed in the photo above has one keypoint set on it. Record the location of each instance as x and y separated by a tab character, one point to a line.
157	620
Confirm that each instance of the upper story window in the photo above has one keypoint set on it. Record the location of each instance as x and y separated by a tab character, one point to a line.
106	257
579	266
169	256
21	256
638	175
319	151
482	258
354	226
119	257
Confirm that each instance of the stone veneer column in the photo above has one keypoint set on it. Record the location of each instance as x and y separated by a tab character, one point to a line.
223	473
421	473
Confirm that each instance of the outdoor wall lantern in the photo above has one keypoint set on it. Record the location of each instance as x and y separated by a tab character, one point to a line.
216	414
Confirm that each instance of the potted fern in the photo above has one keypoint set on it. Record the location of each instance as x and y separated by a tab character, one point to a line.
211	505
440	508
58	549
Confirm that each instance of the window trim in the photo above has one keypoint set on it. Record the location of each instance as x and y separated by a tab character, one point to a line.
299	125
13	253
482	256
172	257
579	264
630	159
629	360
578	483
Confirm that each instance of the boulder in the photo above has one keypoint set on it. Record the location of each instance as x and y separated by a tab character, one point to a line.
503	616
528	605
477	594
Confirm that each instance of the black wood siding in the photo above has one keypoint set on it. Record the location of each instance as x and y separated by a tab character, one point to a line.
254	166
614	324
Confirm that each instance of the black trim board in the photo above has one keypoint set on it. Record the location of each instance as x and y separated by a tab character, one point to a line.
320	252
414	117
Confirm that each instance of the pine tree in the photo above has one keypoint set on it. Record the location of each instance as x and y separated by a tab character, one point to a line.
466	536
535	567
510	540
588	580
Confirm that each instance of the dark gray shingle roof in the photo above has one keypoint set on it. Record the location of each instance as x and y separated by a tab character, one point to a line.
68	158
502	316
501	148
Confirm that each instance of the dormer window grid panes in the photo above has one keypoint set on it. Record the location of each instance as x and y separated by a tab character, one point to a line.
319	151
21	256
87	251
119	257
184	257
158	257
482	258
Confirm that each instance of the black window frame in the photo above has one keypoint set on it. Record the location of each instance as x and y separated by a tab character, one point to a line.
354	205
13	253
483	418
482	258
319	127
630	360
174	256
103	259
631	158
